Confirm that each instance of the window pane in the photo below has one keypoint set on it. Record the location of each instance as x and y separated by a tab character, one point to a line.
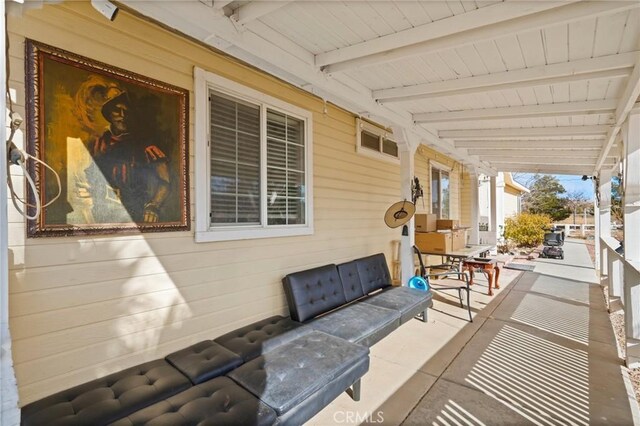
371	141
285	169
435	192
444	185
235	161
390	147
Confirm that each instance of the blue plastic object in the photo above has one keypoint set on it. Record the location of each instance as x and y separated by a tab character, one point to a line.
418	283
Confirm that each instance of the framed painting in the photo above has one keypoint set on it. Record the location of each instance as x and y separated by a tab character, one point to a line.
117	140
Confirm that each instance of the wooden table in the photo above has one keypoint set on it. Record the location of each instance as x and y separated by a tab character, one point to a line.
488	266
456	258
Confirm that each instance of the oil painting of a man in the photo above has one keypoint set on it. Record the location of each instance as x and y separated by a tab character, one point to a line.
117	140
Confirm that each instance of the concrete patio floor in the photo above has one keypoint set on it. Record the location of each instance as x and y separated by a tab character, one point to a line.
540	351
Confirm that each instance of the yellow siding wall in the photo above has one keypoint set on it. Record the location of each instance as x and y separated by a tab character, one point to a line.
83	307
423	171
465	198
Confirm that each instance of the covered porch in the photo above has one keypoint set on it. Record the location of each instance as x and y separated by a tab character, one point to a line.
462	91
541	351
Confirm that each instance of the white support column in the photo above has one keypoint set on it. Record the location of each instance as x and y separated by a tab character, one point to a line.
493	221
604	219
499	230
474	234
407	146
598	246
631	138
9	411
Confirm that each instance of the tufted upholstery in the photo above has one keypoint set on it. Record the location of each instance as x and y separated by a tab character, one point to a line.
260	337
358	323
217	402
286	376
408	301
374	272
204	361
350	280
105	400
313	292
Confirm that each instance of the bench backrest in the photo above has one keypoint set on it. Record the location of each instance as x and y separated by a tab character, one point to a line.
313	292
374	272
350	280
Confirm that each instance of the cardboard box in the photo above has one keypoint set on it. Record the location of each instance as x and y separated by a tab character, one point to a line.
425	222
446	224
459	237
434	242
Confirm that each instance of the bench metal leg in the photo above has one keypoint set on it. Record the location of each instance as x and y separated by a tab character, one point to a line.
423	317
355	391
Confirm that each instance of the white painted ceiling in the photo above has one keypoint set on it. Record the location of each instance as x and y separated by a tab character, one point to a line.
534	86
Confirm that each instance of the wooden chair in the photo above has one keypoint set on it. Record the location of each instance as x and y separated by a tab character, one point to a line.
462	276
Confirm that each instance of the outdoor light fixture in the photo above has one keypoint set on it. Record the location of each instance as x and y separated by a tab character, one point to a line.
106	8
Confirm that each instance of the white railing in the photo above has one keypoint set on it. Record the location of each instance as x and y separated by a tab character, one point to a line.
622	276
583	228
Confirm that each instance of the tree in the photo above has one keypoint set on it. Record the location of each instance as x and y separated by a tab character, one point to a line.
576	200
616	199
544	198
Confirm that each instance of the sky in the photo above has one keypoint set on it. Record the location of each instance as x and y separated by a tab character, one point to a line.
570	182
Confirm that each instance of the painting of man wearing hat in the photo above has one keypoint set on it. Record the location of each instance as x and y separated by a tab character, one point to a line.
117	139
135	171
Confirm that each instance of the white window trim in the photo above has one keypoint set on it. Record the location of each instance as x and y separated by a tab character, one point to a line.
203	82
382	133
443	168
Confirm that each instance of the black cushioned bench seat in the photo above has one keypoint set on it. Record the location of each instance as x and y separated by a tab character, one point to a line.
359	323
107	399
408	301
301	377
260	337
216	402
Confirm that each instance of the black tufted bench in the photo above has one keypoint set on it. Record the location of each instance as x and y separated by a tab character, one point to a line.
354	300
107	399
255	339
299	378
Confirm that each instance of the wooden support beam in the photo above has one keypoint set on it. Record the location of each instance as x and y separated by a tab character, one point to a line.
582	144
556	16
578	161
524	132
559	169
255	9
625	104
528	111
488	15
611	66
485	153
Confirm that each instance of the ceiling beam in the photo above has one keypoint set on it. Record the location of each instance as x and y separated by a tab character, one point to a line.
556	16
556	169
592	144
524	132
528	111
256	9
488	15
219	4
589	162
484	153
626	103
284	59
611	66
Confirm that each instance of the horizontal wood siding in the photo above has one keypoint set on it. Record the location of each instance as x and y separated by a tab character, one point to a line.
83	307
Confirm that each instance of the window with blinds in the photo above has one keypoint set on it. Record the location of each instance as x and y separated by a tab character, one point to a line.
257	163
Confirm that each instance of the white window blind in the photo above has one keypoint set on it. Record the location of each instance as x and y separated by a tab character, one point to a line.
235	161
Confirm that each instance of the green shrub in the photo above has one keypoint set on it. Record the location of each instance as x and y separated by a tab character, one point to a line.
526	229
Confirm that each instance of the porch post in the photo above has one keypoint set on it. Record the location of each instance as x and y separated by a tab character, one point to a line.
474	234
604	220
407	146
9	411
631	138
596	239
493	219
